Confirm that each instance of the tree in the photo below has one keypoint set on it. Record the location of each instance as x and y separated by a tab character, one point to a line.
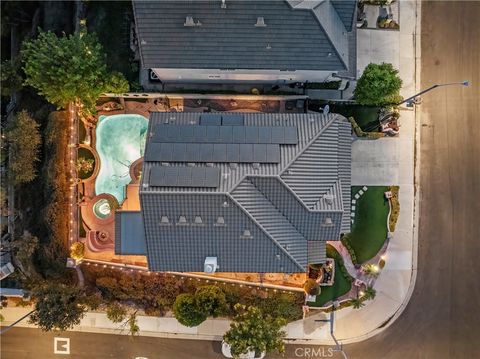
57	306
24	141
116	312
251	330
10	77
133	328
210	300
69	69
379	85
370	293
187	312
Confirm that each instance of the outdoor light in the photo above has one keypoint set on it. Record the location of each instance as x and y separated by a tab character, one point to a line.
361	293
383	257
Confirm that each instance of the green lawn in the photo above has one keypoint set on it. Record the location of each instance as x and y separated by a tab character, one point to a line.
369	229
341	285
365	116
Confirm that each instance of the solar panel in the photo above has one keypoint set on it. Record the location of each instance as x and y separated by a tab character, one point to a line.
238	134
246	153
277	134
219	152
232	120
260	153
184	176
251	134
214	153
273	154
225	134
233	152
212	134
290	136
264	135
210	119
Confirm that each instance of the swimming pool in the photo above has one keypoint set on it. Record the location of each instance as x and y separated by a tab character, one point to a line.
120	141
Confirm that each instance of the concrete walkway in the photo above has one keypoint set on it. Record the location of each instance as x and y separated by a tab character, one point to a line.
388	161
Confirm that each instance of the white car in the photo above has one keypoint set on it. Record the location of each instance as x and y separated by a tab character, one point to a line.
249	355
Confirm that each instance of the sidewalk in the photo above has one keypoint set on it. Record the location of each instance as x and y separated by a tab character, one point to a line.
387	161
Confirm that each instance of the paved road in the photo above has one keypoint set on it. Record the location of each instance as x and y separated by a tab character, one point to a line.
25	343
442	319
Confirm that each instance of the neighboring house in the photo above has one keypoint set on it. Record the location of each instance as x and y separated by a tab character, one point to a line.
244	192
246	40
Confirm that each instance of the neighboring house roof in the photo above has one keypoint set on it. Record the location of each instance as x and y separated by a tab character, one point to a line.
272	212
299	35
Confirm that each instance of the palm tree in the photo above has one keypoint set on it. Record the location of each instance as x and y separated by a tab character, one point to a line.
357	303
370	293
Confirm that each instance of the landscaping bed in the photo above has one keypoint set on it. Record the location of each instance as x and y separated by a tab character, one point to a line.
85	157
369	229
341	285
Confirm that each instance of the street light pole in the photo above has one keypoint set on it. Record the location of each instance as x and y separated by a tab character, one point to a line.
411	100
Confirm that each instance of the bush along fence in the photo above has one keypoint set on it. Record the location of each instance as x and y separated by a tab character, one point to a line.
360	133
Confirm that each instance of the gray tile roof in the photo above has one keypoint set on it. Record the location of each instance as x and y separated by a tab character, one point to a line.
260	218
297	35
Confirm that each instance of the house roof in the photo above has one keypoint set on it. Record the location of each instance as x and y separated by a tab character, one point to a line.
253	216
299	35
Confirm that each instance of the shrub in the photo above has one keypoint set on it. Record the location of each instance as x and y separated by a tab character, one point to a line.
116	312
77	251
210	300
346	243
187	312
284	305
395	203
379	85
360	133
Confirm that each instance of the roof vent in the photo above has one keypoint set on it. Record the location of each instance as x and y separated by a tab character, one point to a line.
260	22
189	21
143	42
198	220
246	234
328	199
225	204
209	164
268	47
210	265
182	221
256	166
164	221
224	4
327	222
278	256
220	221
190	164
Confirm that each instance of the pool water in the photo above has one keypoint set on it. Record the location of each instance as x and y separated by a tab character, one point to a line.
120	141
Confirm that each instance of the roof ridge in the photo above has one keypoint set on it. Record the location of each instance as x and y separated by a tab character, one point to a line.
262	228
307	146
